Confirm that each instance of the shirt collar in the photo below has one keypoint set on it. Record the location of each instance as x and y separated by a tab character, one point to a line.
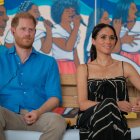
13	50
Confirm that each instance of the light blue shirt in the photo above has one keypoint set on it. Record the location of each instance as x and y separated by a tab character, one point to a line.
27	85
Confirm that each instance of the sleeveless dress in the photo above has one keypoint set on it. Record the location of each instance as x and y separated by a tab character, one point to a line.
105	121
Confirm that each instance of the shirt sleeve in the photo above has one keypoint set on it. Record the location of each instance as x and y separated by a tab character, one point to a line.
53	85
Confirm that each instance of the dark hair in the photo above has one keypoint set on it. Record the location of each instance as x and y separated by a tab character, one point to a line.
24	15
59	6
96	30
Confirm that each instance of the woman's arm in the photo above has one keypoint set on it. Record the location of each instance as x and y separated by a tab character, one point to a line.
47	41
133	76
76	58
83	101
68	45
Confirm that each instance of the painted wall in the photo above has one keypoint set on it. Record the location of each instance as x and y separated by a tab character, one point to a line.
130	48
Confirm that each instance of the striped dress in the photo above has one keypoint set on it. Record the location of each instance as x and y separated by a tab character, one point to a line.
105	121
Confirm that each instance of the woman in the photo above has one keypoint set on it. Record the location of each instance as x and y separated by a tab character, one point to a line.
102	92
126	10
102	16
66	34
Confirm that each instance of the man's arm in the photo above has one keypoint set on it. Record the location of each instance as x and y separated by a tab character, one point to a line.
52	91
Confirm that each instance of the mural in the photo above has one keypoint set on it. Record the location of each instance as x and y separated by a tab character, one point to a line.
64	28
124	15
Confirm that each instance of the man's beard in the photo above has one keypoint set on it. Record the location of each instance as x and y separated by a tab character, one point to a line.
23	45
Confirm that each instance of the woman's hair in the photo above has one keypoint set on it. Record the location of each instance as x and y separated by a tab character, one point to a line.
59	6
24	15
96	30
91	24
122	10
25	6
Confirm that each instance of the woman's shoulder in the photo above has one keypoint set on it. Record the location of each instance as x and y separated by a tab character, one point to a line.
128	69
82	66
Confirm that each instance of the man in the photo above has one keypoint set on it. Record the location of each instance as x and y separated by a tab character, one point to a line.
29	85
3	20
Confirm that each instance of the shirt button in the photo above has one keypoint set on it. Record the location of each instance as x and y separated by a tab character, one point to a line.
24	92
21	73
19	63
21	84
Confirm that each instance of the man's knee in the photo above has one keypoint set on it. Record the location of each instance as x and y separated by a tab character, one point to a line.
57	122
54	122
2	120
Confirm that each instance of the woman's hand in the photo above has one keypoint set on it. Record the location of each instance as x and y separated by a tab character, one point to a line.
124	106
48	24
136	105
129	39
117	24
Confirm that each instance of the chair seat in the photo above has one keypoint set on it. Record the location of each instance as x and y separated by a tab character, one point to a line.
71	134
32	135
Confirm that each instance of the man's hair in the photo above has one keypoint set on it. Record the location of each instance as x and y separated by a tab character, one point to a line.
24	15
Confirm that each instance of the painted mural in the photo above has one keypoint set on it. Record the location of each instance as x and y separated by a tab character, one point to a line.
124	15
64	28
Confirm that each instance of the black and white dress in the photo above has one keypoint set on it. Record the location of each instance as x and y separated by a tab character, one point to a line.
105	121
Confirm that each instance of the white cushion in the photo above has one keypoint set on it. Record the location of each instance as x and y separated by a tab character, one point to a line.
135	133
22	135
71	134
32	135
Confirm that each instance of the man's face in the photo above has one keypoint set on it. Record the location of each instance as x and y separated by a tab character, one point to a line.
24	33
3	20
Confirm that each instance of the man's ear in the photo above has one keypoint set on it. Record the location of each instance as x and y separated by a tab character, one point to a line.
12	30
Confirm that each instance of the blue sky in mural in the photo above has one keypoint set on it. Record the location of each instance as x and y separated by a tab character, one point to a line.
15	3
86	5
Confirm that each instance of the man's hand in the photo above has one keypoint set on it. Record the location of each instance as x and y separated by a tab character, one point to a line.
31	117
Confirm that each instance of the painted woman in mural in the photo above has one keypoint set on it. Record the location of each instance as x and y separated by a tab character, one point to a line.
3	21
66	15
42	40
102	16
130	32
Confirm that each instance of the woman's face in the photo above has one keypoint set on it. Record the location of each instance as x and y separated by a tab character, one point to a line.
105	41
34	11
68	14
132	11
105	18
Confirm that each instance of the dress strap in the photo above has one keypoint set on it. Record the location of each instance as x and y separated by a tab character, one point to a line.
123	68
87	71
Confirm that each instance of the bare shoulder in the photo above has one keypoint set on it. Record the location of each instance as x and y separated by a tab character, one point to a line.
128	65
82	69
129	69
125	64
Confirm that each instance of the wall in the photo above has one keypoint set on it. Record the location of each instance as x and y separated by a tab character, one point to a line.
130	48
